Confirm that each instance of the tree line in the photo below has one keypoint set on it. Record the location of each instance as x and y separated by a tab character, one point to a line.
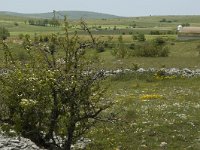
44	22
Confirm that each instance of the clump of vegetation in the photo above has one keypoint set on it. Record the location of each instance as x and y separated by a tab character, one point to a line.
44	22
156	48
101	47
156	32
50	97
185	24
4	33
141	37
159	41
21	36
16	24
120	51
165	20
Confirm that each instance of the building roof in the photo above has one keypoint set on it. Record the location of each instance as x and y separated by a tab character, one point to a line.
190	30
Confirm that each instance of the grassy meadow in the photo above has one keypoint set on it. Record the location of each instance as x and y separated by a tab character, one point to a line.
151	114
154	114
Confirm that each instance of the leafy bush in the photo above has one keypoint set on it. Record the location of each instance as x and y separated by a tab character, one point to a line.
120	50
149	49
50	97
4	33
185	24
141	37
16	24
163	20
21	36
146	50
159	41
155	32
132	46
164	52
134	37
100	48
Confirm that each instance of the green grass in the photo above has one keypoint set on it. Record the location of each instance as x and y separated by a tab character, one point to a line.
143	24
182	55
173	119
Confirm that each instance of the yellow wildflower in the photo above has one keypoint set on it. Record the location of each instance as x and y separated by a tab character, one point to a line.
150	96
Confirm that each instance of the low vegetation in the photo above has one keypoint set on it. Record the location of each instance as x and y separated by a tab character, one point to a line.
4	33
155	114
53	84
49	97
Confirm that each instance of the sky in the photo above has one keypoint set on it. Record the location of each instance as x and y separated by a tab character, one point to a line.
115	7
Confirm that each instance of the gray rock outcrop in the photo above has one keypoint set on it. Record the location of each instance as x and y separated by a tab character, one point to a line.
16	143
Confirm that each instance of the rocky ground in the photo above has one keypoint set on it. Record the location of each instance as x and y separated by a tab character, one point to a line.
16	143
20	143
185	72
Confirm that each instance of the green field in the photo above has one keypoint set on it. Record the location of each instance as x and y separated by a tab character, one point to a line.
172	118
152	114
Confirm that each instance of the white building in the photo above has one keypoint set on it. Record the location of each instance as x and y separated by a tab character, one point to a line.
187	33
179	27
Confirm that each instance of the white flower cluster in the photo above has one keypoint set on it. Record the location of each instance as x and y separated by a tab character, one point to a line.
27	103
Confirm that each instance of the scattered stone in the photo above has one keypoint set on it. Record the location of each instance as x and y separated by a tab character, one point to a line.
81	143
167	71
163	144
143	146
141	70
13	143
16	143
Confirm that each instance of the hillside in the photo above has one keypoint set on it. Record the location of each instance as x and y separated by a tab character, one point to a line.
61	14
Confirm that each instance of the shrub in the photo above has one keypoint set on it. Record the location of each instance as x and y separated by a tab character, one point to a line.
100	48
4	33
21	36
170	32
164	52
159	41
132	46
16	24
155	32
185	24
141	37
48	98
120	51
163	20
134	37
149	49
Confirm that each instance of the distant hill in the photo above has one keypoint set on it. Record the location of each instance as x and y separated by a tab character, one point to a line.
61	14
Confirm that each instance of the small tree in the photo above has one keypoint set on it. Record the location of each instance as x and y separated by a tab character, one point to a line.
120	50
141	37
159	41
4	33
52	97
